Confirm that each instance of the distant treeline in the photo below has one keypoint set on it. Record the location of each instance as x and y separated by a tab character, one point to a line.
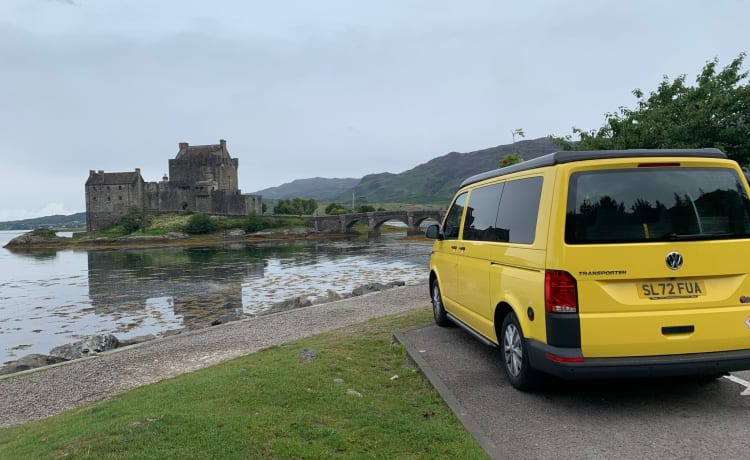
72	222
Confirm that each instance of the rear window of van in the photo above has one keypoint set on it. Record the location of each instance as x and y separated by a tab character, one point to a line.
656	204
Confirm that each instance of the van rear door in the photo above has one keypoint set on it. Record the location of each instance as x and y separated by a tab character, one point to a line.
661	253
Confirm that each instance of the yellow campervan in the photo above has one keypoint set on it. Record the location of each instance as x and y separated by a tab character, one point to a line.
601	264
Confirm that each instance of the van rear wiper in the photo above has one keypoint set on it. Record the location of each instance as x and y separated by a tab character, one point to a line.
695	236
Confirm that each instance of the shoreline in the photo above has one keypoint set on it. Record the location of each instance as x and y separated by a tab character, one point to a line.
39	393
147	242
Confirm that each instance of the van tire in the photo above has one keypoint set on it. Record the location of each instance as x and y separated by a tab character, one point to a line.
515	356
438	310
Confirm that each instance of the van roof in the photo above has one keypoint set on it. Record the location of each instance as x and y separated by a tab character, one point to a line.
571	156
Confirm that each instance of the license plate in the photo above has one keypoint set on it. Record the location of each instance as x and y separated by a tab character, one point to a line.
671	289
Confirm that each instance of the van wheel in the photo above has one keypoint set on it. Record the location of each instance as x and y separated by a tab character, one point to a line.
438	311
515	357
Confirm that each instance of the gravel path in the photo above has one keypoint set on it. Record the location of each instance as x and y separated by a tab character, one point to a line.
37	394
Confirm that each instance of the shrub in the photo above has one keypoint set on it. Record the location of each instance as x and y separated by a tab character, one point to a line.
44	232
255	223
296	206
200	223
335	209
136	219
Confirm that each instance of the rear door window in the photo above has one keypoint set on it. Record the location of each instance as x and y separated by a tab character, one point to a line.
481	214
656	204
519	208
504	212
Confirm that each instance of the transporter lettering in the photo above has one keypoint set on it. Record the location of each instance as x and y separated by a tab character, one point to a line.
604	273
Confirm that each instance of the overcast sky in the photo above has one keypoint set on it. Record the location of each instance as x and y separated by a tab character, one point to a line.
324	88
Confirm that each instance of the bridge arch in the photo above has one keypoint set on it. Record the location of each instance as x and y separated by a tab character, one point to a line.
374	220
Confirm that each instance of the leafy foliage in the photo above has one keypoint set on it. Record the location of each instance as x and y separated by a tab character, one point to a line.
510	159
44	232
365	208
714	113
136	219
255	223
335	209
200	223
296	207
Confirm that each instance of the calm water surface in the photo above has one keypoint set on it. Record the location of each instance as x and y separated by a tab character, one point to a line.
49	298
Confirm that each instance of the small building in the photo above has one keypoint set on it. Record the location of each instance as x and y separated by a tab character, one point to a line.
202	178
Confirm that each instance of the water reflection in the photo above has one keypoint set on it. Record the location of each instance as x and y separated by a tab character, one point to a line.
56	297
199	285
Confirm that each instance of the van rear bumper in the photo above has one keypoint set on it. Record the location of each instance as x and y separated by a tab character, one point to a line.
569	363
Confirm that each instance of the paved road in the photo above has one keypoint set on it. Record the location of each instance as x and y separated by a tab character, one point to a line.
641	419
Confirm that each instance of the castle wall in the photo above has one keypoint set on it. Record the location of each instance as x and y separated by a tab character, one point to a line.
203	180
107	202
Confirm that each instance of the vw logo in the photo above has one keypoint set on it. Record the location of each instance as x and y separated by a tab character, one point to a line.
674	260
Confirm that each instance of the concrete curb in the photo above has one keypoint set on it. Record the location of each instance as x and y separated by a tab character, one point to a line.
450	399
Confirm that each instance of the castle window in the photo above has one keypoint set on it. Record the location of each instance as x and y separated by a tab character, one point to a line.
119	187
120	197
108	199
108	187
93	198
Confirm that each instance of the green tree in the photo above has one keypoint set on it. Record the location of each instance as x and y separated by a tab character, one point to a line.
200	223
136	219
335	209
713	113
254	223
365	208
515	157
296	206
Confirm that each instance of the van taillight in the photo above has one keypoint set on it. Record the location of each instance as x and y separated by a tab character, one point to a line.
560	292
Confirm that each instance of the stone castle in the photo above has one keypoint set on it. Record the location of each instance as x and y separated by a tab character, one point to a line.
202	178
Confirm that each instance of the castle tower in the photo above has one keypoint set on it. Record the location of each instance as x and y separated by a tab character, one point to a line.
109	196
204	168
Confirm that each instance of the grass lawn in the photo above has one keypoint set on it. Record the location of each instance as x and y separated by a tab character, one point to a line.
359	398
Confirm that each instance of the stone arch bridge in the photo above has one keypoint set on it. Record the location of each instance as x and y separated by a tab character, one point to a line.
343	223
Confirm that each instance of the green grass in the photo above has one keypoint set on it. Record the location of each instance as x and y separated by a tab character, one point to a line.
269	404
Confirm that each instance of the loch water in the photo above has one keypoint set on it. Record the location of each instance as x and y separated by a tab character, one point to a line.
53	297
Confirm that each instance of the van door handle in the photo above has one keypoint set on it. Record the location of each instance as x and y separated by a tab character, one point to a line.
454	247
462	248
677	330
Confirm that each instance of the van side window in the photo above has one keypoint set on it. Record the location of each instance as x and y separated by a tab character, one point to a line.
481	214
519	207
453	218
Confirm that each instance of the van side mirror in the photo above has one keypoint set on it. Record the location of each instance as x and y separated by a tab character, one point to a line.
433	232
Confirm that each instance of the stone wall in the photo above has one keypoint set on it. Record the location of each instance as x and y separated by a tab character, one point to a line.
204	179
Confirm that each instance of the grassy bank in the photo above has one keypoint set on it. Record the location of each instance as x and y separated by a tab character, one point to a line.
360	397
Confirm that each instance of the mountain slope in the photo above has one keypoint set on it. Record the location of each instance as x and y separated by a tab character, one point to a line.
60	222
437	180
431	182
318	188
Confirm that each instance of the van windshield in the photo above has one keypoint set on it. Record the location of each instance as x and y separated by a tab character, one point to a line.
656	204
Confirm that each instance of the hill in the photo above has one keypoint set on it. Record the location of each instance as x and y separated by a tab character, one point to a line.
433	182
318	188
437	180
58	222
